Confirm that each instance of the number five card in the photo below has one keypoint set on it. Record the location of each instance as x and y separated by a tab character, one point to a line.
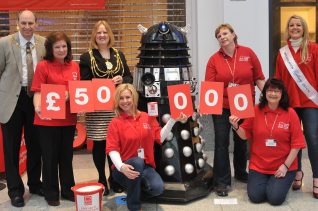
81	96
241	101
180	100
53	101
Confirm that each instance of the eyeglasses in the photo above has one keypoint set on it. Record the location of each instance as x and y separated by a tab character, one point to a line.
275	91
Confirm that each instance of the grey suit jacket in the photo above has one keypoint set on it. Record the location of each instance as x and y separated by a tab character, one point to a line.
11	72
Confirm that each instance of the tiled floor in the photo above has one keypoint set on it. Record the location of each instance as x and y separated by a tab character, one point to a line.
84	171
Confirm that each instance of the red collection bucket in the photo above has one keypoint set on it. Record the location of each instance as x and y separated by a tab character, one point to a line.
88	196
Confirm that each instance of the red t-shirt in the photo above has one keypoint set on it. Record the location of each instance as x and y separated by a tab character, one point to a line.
297	98
47	72
286	131
247	69
126	135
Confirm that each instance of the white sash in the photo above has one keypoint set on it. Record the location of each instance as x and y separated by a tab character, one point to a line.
298	75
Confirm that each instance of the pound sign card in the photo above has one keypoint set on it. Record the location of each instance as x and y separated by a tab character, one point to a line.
180	100
53	101
241	101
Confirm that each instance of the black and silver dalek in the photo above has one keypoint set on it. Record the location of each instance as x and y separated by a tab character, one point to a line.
164	61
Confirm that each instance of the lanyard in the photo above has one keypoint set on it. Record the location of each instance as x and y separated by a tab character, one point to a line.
271	131
234	66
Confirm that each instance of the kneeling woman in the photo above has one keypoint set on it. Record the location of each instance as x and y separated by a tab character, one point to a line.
130	143
276	137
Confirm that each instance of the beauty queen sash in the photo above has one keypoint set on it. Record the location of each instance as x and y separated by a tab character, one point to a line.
298	75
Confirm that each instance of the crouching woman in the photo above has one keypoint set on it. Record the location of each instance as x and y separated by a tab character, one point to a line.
130	145
276	137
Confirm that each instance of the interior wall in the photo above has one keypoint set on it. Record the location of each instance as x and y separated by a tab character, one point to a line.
249	19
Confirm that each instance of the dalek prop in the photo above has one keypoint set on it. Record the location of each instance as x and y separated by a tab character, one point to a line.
181	162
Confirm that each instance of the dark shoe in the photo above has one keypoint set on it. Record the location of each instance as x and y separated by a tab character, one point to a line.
2	186
17	201
298	182
68	197
53	203
315	194
106	190
221	191
242	177
117	188
37	191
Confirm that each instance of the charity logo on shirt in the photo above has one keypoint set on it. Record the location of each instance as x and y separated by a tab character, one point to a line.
244	58
74	74
146	126
309	58
283	125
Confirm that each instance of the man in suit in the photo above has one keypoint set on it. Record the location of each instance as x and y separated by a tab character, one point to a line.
16	110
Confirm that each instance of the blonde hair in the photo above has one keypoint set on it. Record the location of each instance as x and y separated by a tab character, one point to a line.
225	26
93	43
305	41
119	90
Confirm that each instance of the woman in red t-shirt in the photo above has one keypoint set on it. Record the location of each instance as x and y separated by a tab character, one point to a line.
233	65
130	144
273	149
56	135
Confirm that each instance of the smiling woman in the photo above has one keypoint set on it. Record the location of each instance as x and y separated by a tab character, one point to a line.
274	148
102	60
130	144
56	135
233	65
304	55
60	51
273	96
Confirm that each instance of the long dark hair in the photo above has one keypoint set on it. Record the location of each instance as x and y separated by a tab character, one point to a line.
53	38
276	84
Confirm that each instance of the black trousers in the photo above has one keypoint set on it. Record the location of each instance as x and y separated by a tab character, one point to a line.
99	158
57	147
22	118
221	163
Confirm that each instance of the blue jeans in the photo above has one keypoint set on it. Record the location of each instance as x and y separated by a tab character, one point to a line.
149	183
265	187
309	118
221	163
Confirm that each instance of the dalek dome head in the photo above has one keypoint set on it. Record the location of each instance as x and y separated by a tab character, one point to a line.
164	32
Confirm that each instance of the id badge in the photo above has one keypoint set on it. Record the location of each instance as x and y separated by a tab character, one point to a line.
271	142
141	153
232	84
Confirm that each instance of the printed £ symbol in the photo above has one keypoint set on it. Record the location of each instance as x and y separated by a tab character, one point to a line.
51	99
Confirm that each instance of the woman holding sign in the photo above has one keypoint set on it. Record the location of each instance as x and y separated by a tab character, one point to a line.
130	145
103	61
56	135
276	137
297	66
233	65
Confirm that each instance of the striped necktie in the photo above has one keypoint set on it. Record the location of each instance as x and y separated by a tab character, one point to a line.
29	62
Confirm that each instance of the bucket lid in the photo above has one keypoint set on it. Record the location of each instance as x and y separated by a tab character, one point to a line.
88	188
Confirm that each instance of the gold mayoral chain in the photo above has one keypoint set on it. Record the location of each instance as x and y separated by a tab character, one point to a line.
110	70
19	46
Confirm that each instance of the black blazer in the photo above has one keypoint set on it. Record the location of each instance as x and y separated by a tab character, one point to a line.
86	70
